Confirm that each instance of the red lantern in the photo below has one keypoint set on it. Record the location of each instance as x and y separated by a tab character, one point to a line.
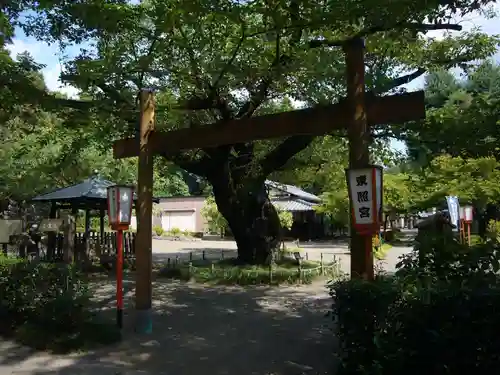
365	194
120	202
468	214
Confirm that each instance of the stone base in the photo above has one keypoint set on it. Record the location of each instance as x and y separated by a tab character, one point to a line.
143	321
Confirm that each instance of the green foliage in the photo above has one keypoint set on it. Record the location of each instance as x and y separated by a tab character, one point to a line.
430	317
380	251
286	219
472	180
462	116
493	231
211	61
47	306
176	232
216	222
229	272
158	230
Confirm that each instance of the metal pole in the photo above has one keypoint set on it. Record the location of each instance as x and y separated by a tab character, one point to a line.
119	278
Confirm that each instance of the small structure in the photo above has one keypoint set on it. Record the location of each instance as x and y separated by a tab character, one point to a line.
89	195
307	224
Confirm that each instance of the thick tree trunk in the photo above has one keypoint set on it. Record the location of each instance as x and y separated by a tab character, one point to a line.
253	220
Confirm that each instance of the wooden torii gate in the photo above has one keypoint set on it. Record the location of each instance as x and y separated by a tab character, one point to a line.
356	114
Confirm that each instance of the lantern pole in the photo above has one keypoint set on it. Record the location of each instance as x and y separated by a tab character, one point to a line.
120	200
119	278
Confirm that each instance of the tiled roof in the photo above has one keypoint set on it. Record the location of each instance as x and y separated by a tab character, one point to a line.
91	188
293	190
293	205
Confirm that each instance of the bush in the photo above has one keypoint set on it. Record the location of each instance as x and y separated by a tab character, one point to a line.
436	315
158	230
47	306
176	232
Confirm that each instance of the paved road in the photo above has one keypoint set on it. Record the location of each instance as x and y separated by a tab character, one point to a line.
164	249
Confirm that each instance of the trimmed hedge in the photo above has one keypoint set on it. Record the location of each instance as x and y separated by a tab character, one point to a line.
437	315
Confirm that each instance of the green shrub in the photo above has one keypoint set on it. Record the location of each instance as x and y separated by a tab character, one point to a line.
47	306
436	315
493	231
158	230
175	232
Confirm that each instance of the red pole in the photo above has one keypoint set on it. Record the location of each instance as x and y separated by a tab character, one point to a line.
468	232
119	278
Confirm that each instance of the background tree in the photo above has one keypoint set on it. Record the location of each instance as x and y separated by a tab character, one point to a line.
224	60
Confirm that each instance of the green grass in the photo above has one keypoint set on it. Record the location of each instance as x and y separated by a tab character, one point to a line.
228	271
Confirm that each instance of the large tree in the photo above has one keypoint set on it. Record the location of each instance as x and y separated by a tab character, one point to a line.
462	116
222	59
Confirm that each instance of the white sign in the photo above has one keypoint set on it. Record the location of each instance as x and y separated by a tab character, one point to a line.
125	203
51	225
9	227
112	204
454	210
365	187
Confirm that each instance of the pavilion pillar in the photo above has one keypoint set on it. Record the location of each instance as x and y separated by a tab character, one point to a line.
69	236
87	222
101	224
52	236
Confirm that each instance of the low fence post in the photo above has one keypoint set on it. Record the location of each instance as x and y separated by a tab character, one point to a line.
270	273
322	270
222	255
190	269
212	268
203	254
190	256
307	255
300	272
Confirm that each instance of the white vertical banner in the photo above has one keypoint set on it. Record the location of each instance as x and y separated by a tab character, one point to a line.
454	210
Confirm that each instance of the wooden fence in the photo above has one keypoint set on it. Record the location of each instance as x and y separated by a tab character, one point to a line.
93	242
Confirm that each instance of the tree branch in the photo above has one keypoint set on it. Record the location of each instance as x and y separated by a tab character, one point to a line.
232	58
403	80
381	28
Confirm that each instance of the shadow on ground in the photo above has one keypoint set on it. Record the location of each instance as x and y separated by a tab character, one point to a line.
206	330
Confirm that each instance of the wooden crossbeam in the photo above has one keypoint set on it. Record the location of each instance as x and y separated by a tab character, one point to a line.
310	121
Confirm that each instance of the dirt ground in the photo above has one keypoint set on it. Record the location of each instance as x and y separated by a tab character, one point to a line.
209	330
205	330
164	249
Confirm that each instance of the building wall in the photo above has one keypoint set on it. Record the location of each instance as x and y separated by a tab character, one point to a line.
186	203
